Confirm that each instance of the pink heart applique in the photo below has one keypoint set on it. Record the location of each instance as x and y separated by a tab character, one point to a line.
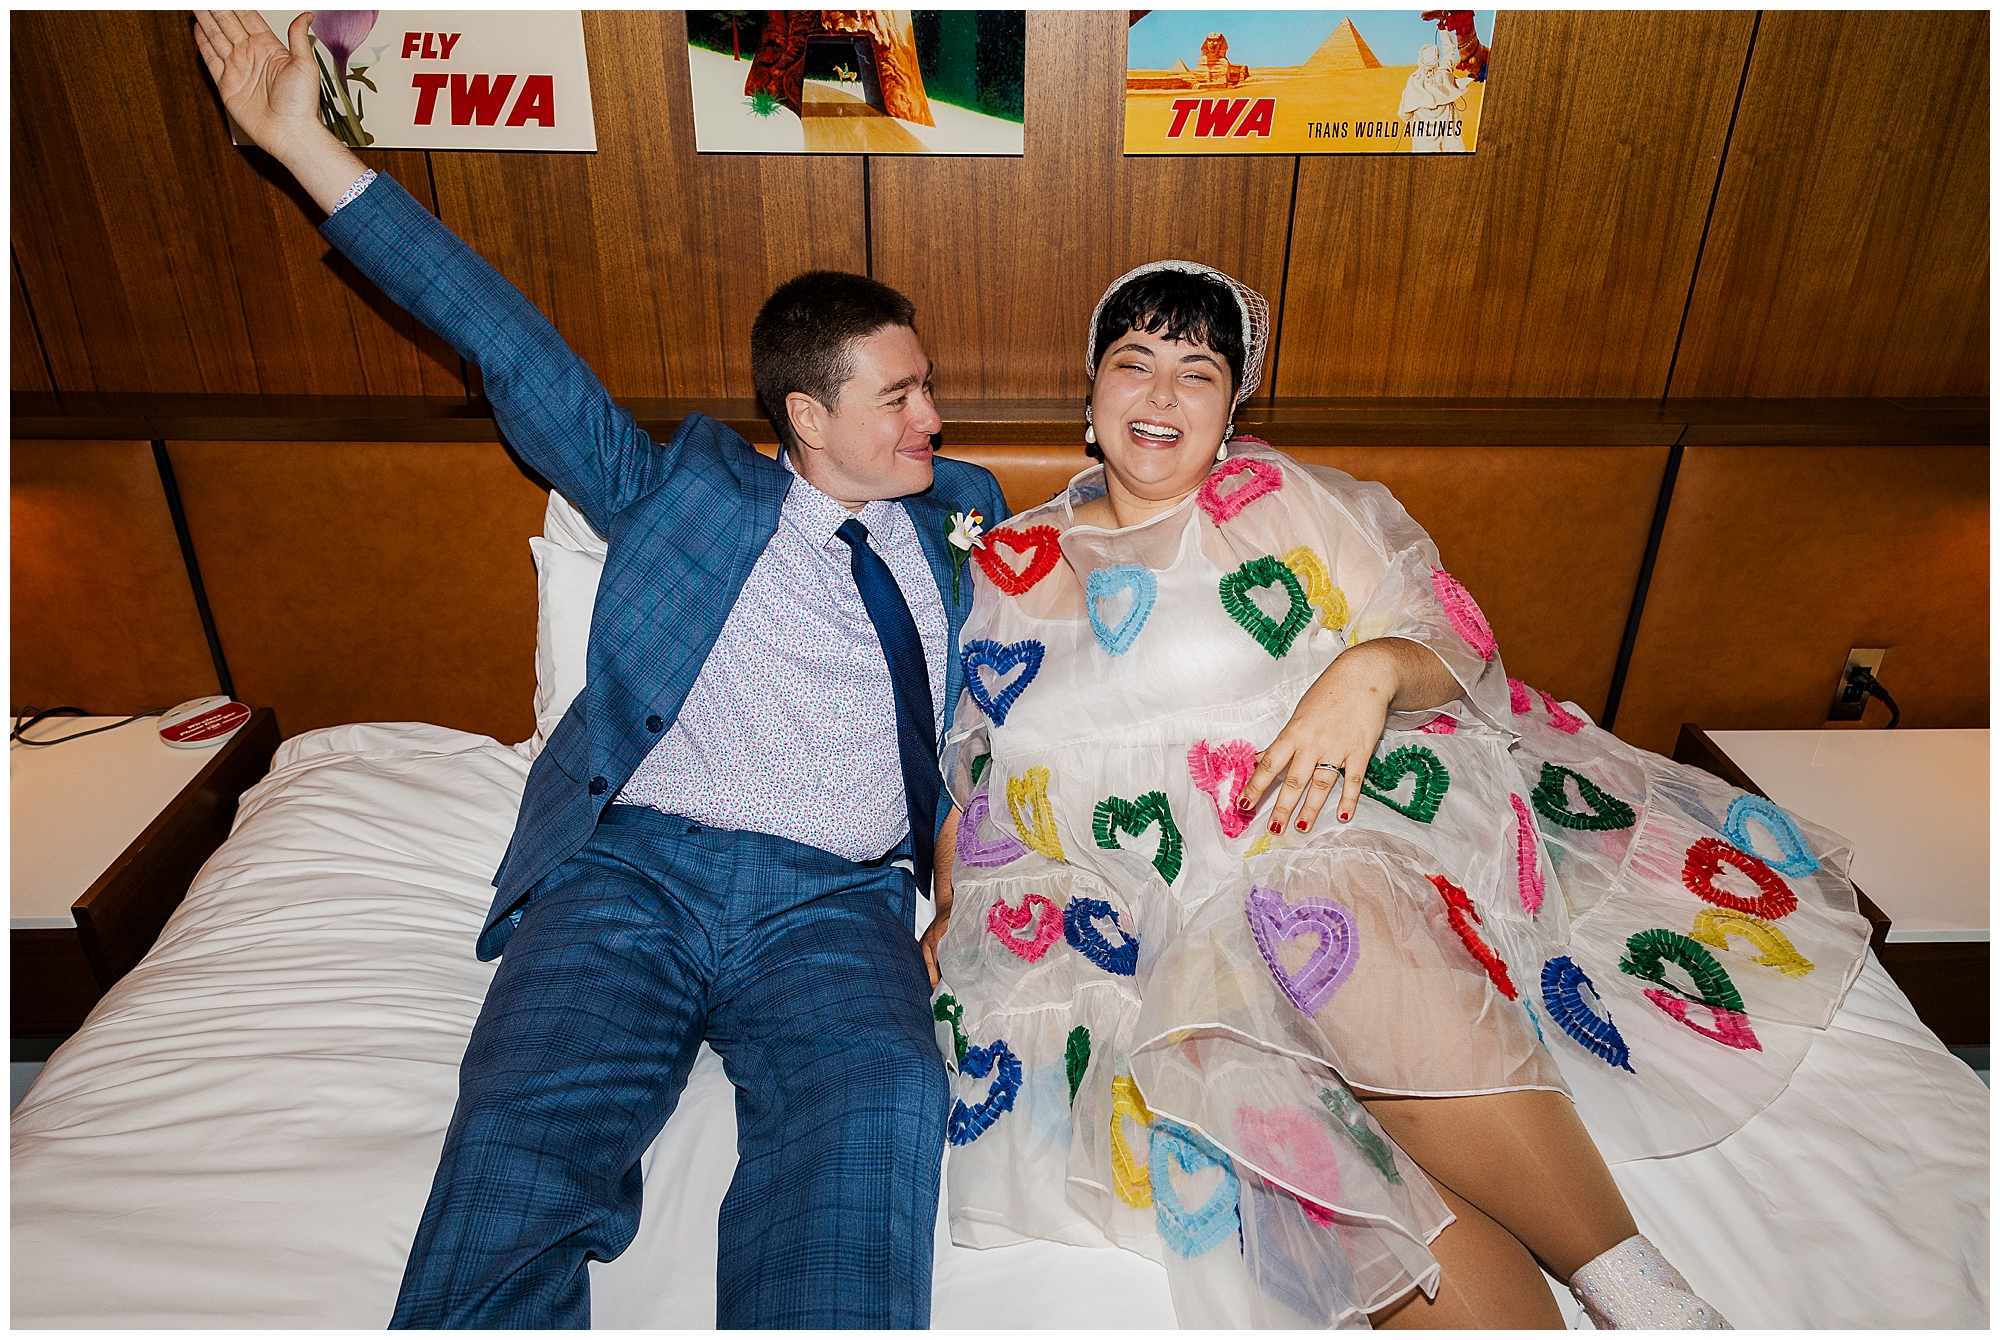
1441	724
1213	765
1464	613
1264	478
1004	921
1290	1144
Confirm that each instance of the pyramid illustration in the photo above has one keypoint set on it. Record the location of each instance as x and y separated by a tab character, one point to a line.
1343	50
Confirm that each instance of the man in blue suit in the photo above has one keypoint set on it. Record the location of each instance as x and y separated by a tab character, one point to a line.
707	847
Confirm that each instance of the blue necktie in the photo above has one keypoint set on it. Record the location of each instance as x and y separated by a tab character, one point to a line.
916	722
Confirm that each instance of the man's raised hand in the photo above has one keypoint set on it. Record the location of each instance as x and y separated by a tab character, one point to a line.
273	92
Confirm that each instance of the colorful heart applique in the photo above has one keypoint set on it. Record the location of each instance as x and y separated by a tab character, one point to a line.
1042	544
1464	613
1648	953
981	843
1106	583
1129	1177
1076	1059
1115	814
1273	922
1212	767
1006	922
1079	927
1563	984
966	1124
1291	1143
1273	635
1037	826
1328	599
979	766
1191	1233
1001	660
1551	797
1560	717
1714	925
1352	1119
1386	773
1264	478
946	1010
1731	1028
1458	911
1527	858
1795	854
1441	724
1705	859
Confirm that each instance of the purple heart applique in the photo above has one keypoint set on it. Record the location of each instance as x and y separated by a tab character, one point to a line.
1273	920
975	847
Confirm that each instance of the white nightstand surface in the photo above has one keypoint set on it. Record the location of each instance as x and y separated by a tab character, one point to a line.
1913	802
80	804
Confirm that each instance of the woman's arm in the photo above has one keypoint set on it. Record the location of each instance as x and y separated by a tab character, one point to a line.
1340	721
947	852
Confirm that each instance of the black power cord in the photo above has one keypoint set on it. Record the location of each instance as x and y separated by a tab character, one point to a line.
1860	677
32	716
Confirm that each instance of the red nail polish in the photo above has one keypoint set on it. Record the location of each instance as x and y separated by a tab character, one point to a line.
1277	828
1343	818
1243	803
1302	825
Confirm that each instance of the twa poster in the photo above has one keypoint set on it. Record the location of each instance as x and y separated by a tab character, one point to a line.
1368	81
857	81
450	78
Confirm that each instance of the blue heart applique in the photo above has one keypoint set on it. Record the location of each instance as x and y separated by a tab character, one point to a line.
1107	582
1000	660
966	1124
1190	1232
1080	929
1795	854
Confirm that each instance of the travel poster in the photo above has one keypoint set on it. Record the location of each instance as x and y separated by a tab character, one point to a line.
857	81
450	78
1295	81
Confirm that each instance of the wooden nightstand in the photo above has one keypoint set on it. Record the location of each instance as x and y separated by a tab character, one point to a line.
108	833
1914	804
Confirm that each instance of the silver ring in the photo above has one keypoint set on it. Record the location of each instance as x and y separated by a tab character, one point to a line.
1335	767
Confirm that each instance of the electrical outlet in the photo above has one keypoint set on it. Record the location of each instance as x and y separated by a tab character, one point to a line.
1848	701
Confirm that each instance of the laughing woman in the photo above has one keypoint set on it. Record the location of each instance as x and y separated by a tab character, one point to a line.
1339	1068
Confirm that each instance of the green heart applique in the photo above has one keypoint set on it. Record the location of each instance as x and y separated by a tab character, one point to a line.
1272	635
1385	774
1552	800
1076	1059
1115	813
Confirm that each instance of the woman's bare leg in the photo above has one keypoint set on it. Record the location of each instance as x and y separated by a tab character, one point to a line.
1524	1160
1489	1283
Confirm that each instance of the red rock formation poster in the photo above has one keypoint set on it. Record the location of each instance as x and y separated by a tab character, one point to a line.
1370	81
857	81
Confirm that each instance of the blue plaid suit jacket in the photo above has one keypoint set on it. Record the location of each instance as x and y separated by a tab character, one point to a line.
685	519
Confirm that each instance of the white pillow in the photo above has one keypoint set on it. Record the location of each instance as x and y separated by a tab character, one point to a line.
569	558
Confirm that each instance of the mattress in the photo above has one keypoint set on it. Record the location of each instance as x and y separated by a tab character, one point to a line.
243	1133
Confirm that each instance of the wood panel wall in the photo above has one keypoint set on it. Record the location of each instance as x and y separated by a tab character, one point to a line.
1846	255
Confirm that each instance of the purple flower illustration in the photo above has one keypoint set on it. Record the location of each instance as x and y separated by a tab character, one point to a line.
342	31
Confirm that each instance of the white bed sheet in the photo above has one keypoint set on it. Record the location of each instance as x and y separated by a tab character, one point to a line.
244	1132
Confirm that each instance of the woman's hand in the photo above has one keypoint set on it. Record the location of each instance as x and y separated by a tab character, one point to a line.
1339	722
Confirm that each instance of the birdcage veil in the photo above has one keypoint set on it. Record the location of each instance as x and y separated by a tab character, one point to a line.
1256	320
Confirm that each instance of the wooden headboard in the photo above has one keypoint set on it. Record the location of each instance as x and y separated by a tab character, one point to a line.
351	578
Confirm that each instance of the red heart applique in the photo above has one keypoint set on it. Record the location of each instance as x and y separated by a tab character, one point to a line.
1042	544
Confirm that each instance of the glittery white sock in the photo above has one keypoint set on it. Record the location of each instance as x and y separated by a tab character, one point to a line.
1632	1288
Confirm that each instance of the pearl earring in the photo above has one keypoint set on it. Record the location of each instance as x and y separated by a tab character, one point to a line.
1222	452
1089	428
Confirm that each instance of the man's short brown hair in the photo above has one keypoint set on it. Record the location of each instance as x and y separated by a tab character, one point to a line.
802	338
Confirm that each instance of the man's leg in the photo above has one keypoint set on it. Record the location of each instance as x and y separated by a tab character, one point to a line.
580	1054
822	1016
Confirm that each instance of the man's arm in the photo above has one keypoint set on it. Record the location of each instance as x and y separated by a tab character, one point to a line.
546	401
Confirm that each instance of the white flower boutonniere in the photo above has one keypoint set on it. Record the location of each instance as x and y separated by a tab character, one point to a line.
963	535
